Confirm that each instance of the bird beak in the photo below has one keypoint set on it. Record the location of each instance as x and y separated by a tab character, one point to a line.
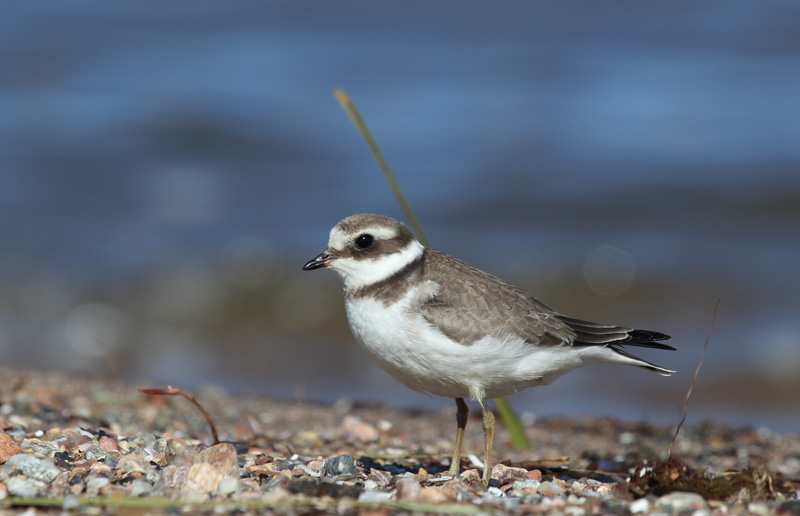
323	260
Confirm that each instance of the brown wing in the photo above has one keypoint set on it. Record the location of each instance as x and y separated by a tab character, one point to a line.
501	307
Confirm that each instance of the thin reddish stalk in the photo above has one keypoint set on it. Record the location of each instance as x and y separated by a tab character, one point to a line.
173	391
691	386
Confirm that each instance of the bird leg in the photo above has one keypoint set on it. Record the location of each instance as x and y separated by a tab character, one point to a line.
461	420
488	431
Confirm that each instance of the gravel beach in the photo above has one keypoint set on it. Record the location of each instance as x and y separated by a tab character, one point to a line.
92	445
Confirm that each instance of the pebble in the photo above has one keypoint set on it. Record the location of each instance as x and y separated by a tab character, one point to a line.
525	487
535	474
758	508
95	484
339	465
288	464
505	474
550	489
642	505
25	487
132	463
71	502
374	496
355	428
222	457
437	495
94	452
228	486
30	466
203	477
7	447
138	488
408	488
682	501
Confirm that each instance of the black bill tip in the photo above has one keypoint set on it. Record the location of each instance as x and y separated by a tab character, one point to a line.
323	260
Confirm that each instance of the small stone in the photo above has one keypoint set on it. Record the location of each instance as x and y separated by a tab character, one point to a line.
132	463
339	465
95	484
38	469
470	474
137	488
506	475
627	438
25	487
535	474
374	496
680	501
108	444
193	497
289	464
228	486
99	467
641	505
179	454
525	487
71	502
203	477
264	470
494	491
408	488
94	452
7	447
758	508
174	476
550	489
437	495
605	490
223	458
355	428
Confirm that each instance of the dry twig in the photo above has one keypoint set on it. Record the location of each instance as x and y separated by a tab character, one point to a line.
691	386
172	391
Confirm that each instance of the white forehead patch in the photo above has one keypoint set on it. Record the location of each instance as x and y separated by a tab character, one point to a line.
340	239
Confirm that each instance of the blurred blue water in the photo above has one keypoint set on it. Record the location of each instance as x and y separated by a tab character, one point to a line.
135	134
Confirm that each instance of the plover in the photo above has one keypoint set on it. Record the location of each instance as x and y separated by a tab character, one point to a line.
441	326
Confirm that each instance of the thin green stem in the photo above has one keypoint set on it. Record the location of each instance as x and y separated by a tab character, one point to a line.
351	110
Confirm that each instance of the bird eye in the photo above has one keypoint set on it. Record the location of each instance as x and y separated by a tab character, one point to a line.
364	241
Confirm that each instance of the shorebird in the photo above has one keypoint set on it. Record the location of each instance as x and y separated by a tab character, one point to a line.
440	326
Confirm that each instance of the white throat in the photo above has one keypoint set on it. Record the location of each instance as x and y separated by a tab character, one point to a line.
357	274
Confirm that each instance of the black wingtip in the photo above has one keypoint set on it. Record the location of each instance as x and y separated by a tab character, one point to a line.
647	339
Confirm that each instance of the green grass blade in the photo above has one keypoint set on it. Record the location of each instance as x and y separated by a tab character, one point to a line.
518	437
351	110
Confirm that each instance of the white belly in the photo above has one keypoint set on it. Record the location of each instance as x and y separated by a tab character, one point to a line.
422	358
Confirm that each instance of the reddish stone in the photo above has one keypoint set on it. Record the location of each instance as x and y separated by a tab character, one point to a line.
8	448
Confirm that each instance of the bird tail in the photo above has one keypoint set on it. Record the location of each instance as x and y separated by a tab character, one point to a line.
614	337
643	363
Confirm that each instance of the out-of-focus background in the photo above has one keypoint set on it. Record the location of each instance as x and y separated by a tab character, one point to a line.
167	168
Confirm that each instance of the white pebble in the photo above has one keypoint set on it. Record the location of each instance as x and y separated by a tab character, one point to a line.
640	505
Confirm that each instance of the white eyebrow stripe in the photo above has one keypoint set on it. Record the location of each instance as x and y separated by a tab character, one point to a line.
339	239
